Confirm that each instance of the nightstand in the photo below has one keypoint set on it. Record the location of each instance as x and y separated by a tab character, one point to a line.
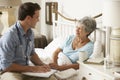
40	41
97	72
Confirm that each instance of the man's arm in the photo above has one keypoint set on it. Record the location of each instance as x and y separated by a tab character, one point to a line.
21	68
36	60
14	67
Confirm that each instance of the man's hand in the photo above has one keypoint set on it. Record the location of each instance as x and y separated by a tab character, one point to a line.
43	68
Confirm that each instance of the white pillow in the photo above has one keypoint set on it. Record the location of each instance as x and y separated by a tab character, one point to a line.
43	55
52	46
55	43
46	54
63	59
97	50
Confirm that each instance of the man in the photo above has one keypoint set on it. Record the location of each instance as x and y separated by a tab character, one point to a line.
17	45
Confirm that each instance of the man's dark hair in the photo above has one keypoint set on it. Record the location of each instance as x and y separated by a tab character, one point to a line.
27	9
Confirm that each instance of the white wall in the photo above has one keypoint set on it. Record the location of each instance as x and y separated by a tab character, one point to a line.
80	8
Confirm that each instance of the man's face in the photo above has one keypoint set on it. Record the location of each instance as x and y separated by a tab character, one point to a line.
34	19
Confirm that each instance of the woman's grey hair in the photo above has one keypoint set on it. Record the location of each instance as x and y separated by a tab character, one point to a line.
89	24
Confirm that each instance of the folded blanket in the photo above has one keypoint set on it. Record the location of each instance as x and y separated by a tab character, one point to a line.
66	73
63	59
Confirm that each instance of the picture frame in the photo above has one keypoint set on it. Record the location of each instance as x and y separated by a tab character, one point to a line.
48	11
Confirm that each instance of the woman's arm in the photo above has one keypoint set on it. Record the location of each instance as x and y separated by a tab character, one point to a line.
55	55
64	67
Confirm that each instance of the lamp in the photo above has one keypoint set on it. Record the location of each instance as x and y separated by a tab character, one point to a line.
8	8
9	3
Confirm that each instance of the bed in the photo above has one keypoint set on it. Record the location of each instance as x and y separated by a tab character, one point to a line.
60	31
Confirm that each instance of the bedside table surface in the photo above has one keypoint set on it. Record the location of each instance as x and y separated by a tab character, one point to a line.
99	69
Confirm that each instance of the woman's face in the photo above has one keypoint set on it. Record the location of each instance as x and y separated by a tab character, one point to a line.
80	31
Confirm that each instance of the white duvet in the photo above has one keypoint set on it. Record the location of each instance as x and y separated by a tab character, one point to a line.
46	54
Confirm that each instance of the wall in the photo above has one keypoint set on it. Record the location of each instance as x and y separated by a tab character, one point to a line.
80	8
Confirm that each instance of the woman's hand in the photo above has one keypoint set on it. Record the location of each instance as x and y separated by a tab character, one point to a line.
54	66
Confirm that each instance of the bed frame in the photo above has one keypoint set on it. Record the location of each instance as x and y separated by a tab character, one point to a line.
62	29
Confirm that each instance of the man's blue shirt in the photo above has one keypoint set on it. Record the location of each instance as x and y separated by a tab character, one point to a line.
15	45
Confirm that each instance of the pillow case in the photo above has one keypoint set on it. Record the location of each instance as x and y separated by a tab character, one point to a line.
54	44
97	50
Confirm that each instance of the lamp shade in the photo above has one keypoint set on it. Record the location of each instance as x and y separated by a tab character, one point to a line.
10	3
111	13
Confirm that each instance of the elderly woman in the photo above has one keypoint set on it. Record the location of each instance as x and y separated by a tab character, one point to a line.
76	43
